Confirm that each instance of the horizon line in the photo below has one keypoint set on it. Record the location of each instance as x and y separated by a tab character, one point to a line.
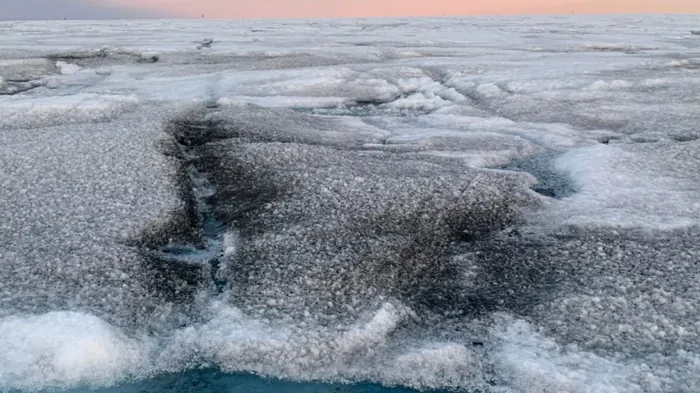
472	15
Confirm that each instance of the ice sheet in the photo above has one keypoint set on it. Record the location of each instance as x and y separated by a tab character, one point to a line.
352	201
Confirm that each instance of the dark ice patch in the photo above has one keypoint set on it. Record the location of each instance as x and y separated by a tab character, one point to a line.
329	229
105	57
10	88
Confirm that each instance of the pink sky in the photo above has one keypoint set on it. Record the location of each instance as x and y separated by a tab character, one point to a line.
367	8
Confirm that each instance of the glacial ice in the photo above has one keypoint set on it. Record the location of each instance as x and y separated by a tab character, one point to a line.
384	195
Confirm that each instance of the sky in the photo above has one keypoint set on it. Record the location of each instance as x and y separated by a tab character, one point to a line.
117	9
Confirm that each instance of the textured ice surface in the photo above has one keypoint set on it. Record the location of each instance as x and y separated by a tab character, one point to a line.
50	111
617	182
479	204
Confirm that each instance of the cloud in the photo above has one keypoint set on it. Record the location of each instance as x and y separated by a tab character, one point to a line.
70	9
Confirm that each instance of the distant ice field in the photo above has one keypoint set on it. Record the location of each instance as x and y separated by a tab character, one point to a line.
503	204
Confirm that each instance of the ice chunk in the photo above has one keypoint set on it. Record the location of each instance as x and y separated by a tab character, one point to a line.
230	241
66	349
420	101
149	57
67	68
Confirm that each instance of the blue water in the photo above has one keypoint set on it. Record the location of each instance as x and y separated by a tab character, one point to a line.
551	183
213	381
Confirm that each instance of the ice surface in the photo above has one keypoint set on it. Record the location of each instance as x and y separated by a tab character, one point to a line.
533	363
50	111
26	69
477	204
655	186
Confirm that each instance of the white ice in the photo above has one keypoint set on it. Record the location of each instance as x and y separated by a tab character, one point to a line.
650	186
66	349
19	112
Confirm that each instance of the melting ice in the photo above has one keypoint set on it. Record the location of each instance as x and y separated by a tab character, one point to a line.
477	204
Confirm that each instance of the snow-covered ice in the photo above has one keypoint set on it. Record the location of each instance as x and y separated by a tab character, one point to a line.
504	204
